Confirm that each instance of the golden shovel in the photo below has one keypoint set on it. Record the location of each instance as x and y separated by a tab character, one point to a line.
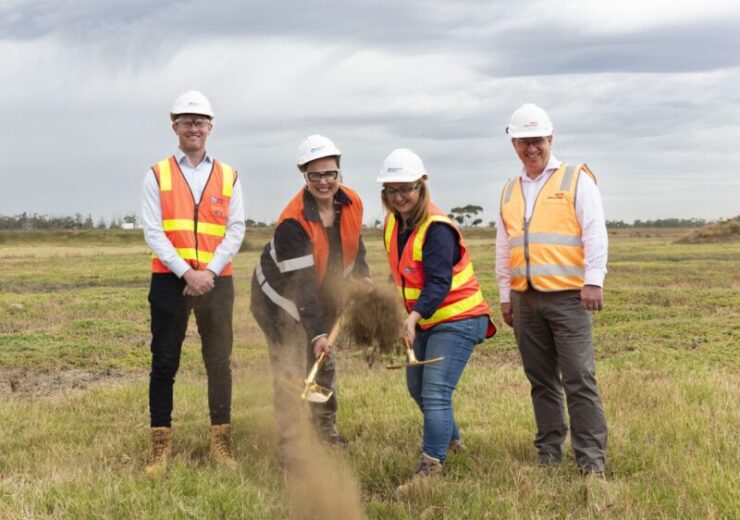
412	361
313	392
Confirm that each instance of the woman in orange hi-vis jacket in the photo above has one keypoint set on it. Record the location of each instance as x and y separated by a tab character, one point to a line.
448	316
317	244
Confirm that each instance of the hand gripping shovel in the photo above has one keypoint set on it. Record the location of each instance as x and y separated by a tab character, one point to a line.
412	361
313	392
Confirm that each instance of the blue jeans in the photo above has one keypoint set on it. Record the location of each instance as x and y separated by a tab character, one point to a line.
431	386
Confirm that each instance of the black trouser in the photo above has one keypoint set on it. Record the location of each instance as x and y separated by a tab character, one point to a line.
553	332
170	311
291	358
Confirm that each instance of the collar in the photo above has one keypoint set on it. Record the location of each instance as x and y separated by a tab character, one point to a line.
311	209
183	159
552	165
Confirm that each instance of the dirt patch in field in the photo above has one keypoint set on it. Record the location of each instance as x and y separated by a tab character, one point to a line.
23	383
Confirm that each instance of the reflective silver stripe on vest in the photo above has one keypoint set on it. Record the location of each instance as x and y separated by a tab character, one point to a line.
292	264
549	270
348	270
547	238
509	189
565	184
281	301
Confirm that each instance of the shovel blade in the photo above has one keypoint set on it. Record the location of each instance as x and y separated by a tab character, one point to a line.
415	363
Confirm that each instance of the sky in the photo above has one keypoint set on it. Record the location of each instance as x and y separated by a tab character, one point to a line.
646	93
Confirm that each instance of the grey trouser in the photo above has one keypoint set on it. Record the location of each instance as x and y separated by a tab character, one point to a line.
553	333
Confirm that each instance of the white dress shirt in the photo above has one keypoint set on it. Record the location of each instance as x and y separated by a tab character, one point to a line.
590	215
156	239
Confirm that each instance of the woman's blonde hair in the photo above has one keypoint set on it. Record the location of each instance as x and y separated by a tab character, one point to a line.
420	212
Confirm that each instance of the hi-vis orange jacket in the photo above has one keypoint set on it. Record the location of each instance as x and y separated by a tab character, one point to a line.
194	228
546	251
465	299
350	228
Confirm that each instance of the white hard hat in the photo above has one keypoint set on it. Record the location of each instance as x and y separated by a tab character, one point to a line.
402	165
529	120
192	102
315	147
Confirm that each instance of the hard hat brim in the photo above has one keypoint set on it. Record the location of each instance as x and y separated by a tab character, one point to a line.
529	133
382	179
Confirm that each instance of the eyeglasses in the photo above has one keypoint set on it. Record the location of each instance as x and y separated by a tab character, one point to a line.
526	142
197	123
404	191
327	175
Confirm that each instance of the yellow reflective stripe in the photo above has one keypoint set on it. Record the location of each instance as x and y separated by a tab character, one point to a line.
165	175
183	224
179	224
462	277
419	240
459	279
455	309
190	253
228	174
216	230
389	231
412	294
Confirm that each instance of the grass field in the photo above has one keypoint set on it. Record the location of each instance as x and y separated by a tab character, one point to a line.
73	395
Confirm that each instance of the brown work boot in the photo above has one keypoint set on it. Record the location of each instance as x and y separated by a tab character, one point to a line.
456	446
221	452
428	469
160	451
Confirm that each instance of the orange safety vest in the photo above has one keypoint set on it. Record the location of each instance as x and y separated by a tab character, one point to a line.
195	230
350	227
465	299
546	251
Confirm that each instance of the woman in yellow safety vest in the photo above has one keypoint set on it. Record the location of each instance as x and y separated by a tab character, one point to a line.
448	316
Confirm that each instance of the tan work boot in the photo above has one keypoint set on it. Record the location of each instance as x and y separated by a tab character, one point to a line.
598	492
221	452
160	451
428	469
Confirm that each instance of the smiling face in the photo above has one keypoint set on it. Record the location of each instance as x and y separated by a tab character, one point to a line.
192	131
324	188
402	197
534	152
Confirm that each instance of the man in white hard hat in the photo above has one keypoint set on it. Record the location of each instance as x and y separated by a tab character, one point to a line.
551	252
193	222
297	284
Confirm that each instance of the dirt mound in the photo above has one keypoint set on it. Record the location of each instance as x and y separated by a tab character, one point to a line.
719	232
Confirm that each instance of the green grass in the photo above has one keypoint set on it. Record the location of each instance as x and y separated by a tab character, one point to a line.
667	361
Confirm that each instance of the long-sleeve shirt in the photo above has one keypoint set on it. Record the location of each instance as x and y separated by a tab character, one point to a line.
590	216
440	253
196	177
297	288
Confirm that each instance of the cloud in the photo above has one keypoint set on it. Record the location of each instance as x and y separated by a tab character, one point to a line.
639	94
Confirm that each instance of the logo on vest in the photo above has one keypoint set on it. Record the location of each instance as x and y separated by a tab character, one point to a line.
556	196
409	270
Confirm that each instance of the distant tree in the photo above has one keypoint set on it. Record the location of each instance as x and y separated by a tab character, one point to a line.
88	224
130	219
101	223
466	215
250	223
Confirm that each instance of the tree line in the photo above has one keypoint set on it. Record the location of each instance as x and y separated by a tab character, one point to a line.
466	216
77	221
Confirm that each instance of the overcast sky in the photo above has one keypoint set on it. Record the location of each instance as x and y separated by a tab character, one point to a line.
646	92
